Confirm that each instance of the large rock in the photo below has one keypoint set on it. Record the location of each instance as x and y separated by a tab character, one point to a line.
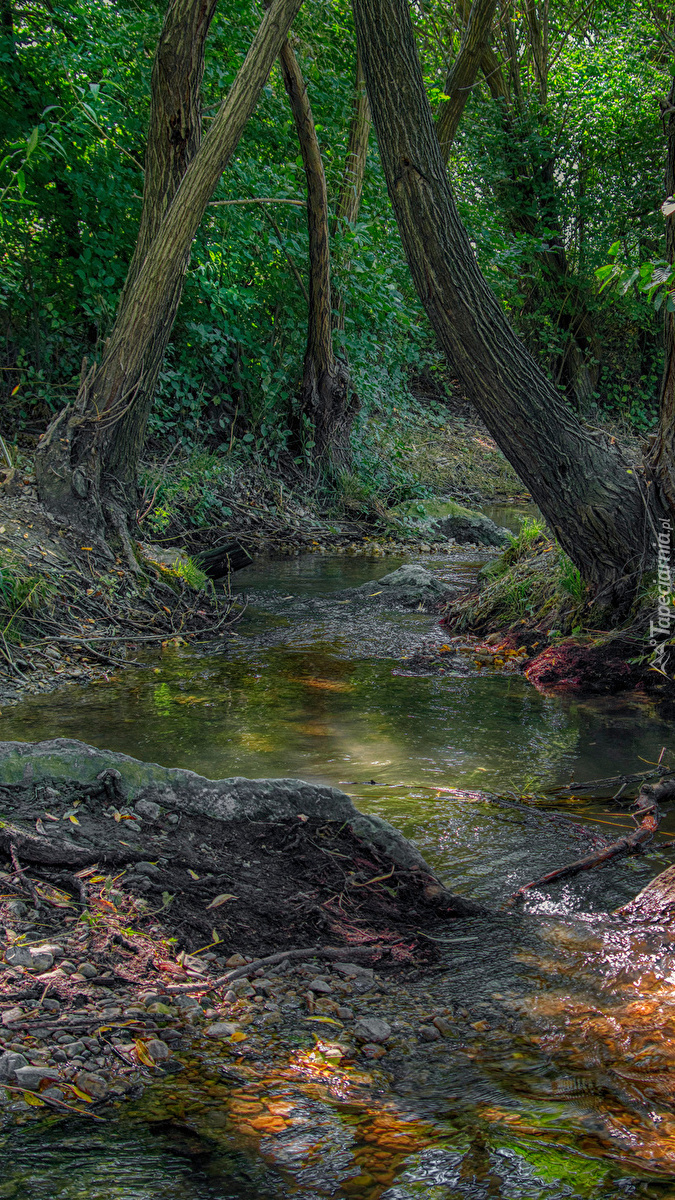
435	519
9	1063
411	586
237	799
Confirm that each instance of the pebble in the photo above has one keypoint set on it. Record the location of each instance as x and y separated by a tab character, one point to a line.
158	1050
320	987
373	1050
345	1013
11	1014
443	1025
222	1029
372	1029
93	1085
428	1033
148	809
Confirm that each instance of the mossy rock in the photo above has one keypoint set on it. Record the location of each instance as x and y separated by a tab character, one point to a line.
437	519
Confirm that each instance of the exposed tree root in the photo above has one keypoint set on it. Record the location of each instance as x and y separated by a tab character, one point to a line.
646	806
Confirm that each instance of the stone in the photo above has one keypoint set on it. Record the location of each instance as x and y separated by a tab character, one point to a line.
345	1013
9	1063
151	997
11	1014
242	987
372	1029
94	1085
148	809
428	1033
222	1029
68	966
148	868
59	1056
18	909
41	960
236	960
73	1048
18	956
158	1050
52	948
87	970
30	1077
373	1050
320	987
353	970
185	1002
443	1026
52	1093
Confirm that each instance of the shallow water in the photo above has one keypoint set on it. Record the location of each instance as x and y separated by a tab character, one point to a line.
578	1103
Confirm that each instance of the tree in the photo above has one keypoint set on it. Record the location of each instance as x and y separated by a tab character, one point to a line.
73	456
462	74
327	400
662	453
592	495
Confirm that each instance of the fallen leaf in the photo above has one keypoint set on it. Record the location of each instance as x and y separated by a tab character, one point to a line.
302	817
325	1021
193	874
40	827
238	1036
220	899
82	1095
142	1054
51	818
33	1100
73	819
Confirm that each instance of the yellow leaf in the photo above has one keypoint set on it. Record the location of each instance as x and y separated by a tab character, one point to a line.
82	1095
216	936
142	1054
117	815
325	1021
221	899
238	1036
192	873
34	1100
97	879
86	547
15	389
73	819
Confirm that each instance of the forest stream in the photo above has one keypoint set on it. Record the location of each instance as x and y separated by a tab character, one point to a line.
562	1086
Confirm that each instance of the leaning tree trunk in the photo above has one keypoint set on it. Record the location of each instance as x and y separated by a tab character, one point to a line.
174	135
349	197
589	492
327	399
462	74
71	457
662	454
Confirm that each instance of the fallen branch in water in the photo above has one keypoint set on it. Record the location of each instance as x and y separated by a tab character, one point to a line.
601	785
647	805
343	952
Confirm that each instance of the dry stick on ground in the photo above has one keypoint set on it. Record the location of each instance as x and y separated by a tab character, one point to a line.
647	805
346	953
20	871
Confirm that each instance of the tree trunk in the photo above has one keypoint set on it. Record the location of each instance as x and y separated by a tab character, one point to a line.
326	396
662	454
349	199
72	455
463	72
174	135
588	491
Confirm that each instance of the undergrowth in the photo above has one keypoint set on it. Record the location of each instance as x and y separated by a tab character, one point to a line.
21	593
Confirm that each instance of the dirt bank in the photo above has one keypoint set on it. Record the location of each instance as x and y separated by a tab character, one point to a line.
123	899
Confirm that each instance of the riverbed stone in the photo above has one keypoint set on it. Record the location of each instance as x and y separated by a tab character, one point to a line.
10	1061
88	970
18	956
428	1033
221	1029
93	1084
372	1029
158	1050
148	809
11	1015
320	987
30	1077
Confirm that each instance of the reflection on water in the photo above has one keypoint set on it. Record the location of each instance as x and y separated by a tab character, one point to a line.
566	1088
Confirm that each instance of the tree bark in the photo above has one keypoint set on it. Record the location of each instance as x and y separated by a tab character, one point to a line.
662	453
463	72
71	457
327	400
349	198
174	136
587	489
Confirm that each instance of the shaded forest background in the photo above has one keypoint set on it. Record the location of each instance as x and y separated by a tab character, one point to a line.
557	168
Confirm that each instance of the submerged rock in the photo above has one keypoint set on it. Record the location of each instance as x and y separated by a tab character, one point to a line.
411	586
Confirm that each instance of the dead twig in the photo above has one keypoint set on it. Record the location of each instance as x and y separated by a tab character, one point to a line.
346	953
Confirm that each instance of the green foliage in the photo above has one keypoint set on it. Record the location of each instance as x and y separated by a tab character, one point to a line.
571	582
20	592
532	534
